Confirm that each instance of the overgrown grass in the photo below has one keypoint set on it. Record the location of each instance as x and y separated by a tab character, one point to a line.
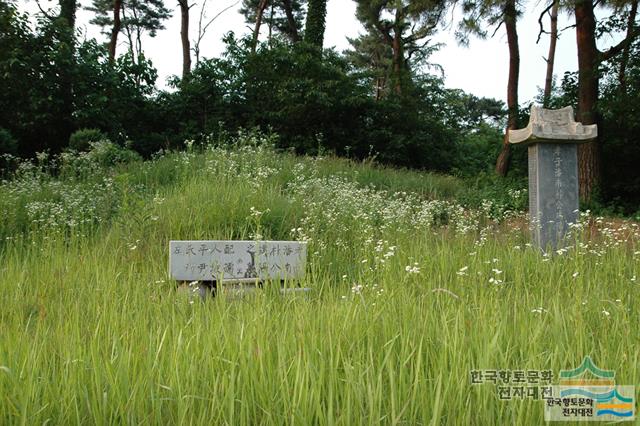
411	291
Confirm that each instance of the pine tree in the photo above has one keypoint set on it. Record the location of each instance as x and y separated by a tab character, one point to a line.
283	17
492	13
404	26
132	18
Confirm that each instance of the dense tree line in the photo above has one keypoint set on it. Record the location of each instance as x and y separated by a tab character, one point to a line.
381	98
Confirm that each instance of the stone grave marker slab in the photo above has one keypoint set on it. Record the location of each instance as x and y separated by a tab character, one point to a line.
237	261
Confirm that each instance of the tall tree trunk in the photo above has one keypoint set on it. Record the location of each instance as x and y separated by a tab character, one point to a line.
262	5
68	14
269	37
380	81
398	59
552	52
622	79
510	13
128	33
291	21
315	25
136	47
588	79
184	36
115	30
67	21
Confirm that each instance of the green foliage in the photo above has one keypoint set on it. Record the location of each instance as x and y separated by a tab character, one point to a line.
315	25
318	105
398	30
619	126
618	130
477	150
33	107
137	17
282	17
481	17
314	104
373	61
107	154
495	195
31	99
81	140
308	102
8	144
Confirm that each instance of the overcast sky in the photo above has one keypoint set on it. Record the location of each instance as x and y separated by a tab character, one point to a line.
481	68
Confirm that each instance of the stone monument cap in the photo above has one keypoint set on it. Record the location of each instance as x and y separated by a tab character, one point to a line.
553	126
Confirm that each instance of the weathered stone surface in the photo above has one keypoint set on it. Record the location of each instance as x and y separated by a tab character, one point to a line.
236	261
553	126
553	192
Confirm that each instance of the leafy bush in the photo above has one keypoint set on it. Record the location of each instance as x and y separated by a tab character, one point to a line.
102	155
107	154
477	150
8	144
9	161
495	195
81	140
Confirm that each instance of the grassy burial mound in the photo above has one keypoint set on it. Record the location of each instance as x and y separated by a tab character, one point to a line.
413	288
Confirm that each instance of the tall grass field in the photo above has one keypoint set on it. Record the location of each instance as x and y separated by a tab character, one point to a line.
411	290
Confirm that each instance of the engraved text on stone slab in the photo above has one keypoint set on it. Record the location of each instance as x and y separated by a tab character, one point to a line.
236	261
553	192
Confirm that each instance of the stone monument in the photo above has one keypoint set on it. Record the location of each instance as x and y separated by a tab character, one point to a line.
236	261
236	267
552	137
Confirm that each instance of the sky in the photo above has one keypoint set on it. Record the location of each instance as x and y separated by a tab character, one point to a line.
480	69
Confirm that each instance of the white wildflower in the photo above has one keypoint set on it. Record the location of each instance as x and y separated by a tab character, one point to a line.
415	269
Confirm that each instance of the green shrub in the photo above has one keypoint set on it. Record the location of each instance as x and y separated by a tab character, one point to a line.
107	154
495	195
81	140
8	144
102	155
